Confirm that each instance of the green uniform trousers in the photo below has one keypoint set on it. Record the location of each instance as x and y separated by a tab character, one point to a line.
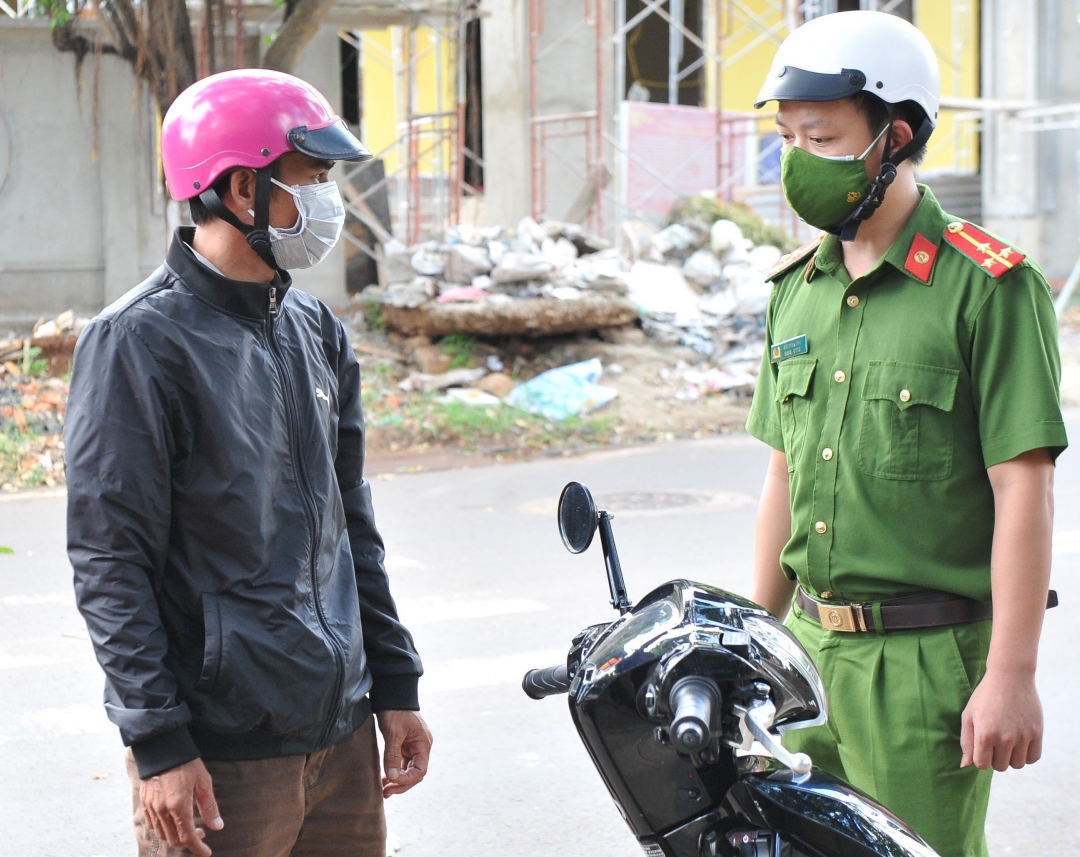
895	701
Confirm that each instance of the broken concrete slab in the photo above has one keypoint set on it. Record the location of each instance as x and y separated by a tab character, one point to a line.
509	317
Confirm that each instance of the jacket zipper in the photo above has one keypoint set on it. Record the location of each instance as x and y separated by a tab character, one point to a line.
312	515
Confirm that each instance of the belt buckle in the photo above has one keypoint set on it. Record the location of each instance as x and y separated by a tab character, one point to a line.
847	618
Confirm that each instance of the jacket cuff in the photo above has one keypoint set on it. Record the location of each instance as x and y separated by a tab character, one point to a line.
164	752
395	693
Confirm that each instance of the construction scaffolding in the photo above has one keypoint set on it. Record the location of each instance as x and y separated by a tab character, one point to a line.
424	189
695	60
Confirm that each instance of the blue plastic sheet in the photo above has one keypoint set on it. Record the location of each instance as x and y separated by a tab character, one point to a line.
563	392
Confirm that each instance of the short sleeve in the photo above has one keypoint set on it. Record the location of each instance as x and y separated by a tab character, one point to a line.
1016	369
764	420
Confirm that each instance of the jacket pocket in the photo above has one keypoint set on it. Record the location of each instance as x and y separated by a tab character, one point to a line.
907	421
211	664
793	387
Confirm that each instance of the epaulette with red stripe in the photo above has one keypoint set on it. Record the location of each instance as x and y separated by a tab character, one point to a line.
991	254
790	260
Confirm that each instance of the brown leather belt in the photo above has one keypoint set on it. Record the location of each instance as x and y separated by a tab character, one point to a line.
932	610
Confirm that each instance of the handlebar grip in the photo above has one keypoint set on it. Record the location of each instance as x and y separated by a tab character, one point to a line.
540	683
694	702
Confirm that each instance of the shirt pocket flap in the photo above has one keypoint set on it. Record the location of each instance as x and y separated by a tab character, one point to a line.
794	377
907	384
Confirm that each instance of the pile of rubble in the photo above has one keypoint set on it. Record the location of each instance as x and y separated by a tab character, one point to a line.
692	283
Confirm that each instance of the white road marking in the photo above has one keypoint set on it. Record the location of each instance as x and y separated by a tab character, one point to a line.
33	494
15	662
80	719
468	673
1067	542
38	598
400	563
434	609
707	501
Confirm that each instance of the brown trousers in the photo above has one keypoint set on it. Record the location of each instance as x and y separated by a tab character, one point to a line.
328	804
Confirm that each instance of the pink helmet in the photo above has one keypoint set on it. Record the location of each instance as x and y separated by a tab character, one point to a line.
248	118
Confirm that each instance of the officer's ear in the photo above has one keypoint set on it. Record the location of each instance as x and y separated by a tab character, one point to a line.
902	134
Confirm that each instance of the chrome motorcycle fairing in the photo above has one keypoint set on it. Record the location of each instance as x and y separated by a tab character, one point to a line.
679	804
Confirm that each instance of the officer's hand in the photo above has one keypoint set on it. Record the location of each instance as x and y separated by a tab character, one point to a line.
169	800
1002	724
408	746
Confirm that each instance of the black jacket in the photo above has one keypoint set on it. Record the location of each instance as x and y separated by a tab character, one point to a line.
225	551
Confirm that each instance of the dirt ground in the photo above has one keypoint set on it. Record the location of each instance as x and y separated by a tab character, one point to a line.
413	431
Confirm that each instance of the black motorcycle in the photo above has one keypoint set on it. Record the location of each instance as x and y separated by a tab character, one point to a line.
681	703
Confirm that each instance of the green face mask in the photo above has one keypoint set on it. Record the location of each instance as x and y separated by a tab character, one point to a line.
823	191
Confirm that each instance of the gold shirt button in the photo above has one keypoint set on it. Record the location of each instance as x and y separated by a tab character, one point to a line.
826	453
821	527
905	396
827	594
840	376
853	301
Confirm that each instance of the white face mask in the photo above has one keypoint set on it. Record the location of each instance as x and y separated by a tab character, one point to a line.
317	229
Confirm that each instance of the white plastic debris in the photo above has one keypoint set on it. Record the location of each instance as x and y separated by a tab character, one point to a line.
521	267
465	262
662	290
469	396
559	253
563	392
677	238
428	261
635	241
764	257
397	262
454	378
703	268
414	293
724	235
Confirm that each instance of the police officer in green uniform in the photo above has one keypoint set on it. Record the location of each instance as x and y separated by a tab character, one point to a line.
910	395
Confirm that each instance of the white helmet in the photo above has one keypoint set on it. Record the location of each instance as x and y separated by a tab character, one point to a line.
839	55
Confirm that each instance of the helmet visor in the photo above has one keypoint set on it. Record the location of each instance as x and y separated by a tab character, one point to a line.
796	84
333	143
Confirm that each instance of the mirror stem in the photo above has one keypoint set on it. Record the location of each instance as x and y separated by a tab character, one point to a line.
619	599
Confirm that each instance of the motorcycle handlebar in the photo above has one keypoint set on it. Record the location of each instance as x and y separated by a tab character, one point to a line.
694	701
540	683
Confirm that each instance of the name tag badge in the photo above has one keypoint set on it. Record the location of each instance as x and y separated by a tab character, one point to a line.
788	348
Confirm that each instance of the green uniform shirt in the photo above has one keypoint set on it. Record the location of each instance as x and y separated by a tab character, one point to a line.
904	393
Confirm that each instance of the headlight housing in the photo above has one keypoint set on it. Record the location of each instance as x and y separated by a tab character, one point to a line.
783	648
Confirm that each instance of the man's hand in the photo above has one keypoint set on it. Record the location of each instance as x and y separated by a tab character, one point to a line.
169	801
1002	724
408	746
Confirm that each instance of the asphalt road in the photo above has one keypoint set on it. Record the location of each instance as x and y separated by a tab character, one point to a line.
482	578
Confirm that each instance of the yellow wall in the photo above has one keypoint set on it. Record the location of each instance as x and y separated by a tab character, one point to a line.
384	96
748	54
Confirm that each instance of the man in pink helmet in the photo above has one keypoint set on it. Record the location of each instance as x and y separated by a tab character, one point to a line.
220	527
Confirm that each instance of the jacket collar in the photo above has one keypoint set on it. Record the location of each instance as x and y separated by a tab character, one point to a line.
235	297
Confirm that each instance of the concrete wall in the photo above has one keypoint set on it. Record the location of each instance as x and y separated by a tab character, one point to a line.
504	52
77	231
566	75
1031	180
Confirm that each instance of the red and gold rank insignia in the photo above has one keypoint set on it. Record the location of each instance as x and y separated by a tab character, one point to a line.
992	255
790	260
920	258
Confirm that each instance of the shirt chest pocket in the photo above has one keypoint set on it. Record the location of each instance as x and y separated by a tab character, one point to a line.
907	421
794	381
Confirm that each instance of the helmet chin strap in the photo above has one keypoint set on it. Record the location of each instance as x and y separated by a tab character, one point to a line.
257	235
849	226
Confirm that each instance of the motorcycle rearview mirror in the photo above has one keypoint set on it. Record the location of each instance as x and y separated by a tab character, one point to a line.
577	517
578	523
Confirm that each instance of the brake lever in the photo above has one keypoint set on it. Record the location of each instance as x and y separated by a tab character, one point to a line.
754	723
